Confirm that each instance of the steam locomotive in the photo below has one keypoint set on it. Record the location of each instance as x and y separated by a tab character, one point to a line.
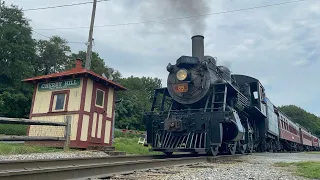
206	109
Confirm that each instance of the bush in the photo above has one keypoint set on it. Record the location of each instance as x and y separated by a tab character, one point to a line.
131	146
120	134
6	149
13	129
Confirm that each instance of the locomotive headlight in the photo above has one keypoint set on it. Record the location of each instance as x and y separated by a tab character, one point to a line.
182	74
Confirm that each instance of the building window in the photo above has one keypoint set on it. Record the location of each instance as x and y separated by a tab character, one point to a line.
255	94
60	101
99	97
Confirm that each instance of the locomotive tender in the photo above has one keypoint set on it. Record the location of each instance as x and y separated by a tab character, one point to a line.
206	109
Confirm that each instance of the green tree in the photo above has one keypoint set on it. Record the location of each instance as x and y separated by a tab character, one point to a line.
135	101
52	56
17	52
302	117
15	104
17	47
97	64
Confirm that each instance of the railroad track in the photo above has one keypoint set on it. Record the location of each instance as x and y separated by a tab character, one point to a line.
91	168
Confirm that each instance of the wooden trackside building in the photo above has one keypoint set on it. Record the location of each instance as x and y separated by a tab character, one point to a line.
80	93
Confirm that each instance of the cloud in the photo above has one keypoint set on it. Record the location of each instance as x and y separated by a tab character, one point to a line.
279	45
300	62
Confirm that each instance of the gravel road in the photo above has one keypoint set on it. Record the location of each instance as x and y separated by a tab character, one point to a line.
53	155
258	166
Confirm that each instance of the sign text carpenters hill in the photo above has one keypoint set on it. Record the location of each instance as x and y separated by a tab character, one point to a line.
64	84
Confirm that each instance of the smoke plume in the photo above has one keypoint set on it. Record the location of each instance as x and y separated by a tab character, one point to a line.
180	8
226	63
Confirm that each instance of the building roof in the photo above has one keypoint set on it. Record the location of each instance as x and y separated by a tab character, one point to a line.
77	70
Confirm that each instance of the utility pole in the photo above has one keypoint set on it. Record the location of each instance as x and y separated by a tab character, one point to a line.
89	49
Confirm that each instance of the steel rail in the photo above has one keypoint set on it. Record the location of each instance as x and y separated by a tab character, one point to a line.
23	164
98	170
87	171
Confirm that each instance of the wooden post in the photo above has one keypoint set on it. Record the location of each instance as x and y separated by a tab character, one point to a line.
113	128
89	49
67	133
5	120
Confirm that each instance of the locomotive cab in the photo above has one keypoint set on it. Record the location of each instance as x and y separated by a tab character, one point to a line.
253	90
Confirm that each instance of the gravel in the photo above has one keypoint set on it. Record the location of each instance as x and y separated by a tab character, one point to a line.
53	155
251	167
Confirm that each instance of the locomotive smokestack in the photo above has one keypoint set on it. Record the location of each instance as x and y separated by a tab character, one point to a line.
198	47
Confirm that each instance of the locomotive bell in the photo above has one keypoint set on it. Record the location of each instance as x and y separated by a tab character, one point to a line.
169	67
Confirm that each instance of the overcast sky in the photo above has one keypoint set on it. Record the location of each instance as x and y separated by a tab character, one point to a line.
278	45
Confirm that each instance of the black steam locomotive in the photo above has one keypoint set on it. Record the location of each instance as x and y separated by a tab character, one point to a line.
206	109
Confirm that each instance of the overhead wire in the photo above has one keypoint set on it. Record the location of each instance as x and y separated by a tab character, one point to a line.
50	38
177	18
153	21
60	6
40	34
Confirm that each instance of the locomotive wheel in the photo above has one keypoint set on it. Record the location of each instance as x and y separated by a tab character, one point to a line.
241	147
249	148
232	147
214	150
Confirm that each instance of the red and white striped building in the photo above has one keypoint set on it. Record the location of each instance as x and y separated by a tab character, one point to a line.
80	93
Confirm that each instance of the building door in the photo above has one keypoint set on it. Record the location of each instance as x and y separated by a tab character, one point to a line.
98	105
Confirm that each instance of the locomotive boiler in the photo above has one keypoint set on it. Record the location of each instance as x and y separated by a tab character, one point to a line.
202	109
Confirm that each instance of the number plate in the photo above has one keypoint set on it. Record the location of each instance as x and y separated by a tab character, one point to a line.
181	87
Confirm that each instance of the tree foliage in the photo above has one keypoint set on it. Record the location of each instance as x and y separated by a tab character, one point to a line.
135	101
97	64
52	56
302	117
17	52
17	46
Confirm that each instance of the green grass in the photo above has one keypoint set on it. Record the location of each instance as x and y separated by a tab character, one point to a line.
118	134
9	149
13	129
308	169
313	152
126	142
131	146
